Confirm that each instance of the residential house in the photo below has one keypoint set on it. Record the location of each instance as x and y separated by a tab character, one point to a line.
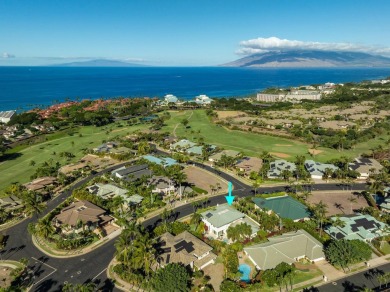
317	169
182	145
364	166
362	227
105	147
249	164
163	161
81	215
185	249
42	184
122	151
217	157
337	125
218	220
109	191
284	207
278	166
11	204
6	116
385	205
289	248
161	184
198	150
74	167
131	173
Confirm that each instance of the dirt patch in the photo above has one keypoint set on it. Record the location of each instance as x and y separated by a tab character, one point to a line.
280	155
216	274
5	276
203	179
230	114
283	145
315	151
337	202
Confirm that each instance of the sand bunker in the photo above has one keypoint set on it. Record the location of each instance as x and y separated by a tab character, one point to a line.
280	155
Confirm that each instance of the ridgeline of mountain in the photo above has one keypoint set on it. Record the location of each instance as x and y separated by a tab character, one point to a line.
99	63
310	58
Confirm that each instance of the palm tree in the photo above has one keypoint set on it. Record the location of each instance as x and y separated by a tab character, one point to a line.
337	222
32	203
180	177
255	186
144	254
195	219
320	210
266	157
300	160
285	174
44	228
327	174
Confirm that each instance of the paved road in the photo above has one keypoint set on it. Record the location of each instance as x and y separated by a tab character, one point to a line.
51	273
358	281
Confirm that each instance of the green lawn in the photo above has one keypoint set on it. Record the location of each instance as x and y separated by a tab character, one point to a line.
251	143
20	170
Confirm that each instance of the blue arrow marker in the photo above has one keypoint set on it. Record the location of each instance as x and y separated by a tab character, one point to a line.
230	198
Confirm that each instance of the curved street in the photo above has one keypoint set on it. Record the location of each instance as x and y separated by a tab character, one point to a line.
51	273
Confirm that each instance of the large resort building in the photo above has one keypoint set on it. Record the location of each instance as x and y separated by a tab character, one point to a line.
293	96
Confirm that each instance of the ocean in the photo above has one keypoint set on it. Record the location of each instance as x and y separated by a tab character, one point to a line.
22	88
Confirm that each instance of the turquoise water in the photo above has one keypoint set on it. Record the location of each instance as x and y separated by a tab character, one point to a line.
26	87
245	270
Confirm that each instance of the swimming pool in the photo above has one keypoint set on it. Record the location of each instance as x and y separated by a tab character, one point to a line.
245	270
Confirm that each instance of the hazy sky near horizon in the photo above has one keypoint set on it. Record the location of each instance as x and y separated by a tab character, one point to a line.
185	32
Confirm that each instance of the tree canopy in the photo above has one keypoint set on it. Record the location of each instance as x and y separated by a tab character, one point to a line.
172	278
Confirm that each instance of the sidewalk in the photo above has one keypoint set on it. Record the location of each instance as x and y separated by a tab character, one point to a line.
119	283
56	253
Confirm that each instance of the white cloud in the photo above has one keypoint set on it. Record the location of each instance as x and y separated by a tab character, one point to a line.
7	56
261	45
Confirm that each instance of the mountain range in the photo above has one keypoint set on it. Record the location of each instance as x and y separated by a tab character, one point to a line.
310	58
99	63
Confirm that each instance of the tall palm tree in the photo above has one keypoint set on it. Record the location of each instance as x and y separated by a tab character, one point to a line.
32	203
195	219
320	210
144	254
255	186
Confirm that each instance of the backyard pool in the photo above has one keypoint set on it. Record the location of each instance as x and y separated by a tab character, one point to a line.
245	270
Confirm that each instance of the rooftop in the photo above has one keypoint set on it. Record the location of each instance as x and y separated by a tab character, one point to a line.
222	215
318	168
230	153
284	206
285	248
183	248
164	161
362	227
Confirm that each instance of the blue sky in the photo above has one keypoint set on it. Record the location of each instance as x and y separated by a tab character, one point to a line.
185	32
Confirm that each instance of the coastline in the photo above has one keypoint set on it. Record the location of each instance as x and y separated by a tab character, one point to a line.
27	87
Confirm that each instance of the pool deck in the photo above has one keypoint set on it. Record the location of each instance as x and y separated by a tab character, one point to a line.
244	259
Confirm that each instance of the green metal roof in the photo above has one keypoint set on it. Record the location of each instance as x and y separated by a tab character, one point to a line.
284	206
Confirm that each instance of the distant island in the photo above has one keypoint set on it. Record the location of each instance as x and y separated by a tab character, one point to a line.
310	58
98	63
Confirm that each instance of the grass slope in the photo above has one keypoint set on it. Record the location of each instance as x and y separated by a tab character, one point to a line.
253	144
20	170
